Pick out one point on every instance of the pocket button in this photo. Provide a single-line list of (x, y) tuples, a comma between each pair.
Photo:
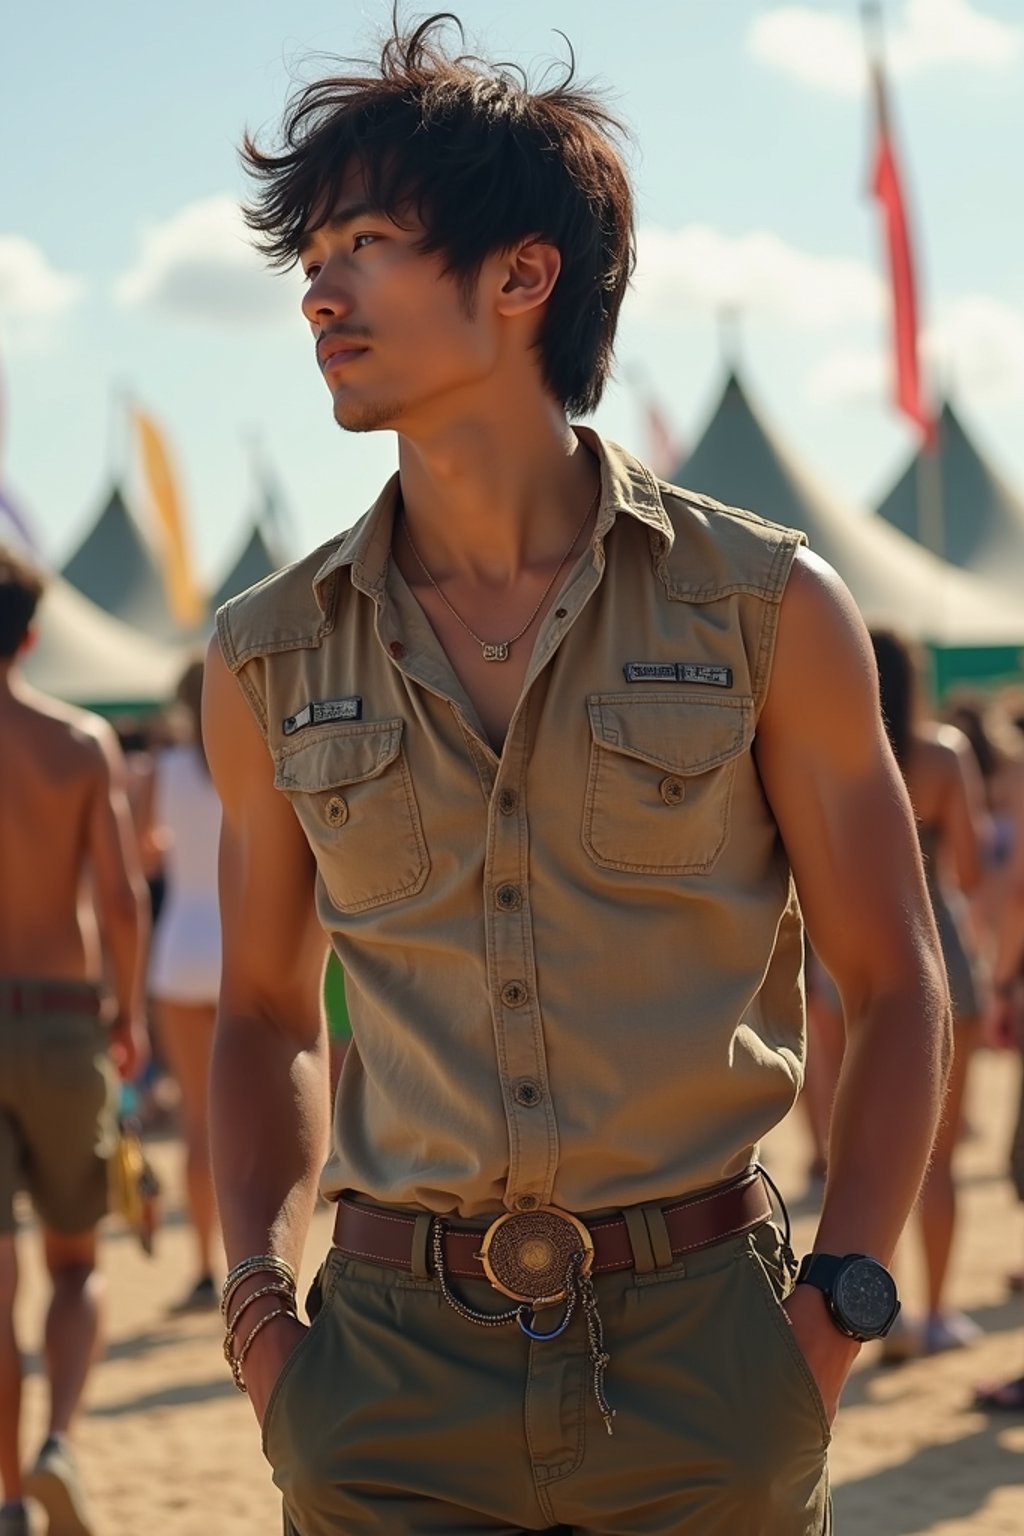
[(672, 789), (336, 811)]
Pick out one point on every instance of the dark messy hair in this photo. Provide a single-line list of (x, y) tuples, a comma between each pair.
[(21, 587), (486, 162), (897, 686)]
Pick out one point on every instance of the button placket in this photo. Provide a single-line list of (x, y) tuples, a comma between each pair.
[(521, 1055)]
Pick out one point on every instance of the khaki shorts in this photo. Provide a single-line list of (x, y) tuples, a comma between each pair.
[(396, 1416), (58, 1117)]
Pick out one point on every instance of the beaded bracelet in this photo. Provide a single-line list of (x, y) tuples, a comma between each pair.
[(260, 1263), (236, 1361), (283, 1291)]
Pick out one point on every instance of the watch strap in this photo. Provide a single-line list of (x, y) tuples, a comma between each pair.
[(821, 1269)]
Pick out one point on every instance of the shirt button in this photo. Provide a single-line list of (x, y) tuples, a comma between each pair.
[(507, 801), (513, 994), (336, 811), (396, 649), (526, 1202), (509, 898), (561, 613), (672, 790), (527, 1093)]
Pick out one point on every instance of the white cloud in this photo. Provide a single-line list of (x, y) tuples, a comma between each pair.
[(697, 268), (976, 348), (828, 51), (29, 286), (850, 376), (200, 264)]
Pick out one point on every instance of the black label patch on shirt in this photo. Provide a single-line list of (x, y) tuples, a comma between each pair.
[(650, 672), (322, 712), (678, 672)]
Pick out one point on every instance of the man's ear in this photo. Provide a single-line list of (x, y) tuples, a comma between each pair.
[(530, 273)]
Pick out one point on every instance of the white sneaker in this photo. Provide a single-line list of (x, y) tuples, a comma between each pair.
[(948, 1330)]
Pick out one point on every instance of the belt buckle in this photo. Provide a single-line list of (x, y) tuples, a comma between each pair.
[(526, 1254)]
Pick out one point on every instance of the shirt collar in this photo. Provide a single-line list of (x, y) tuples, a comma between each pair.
[(627, 486)]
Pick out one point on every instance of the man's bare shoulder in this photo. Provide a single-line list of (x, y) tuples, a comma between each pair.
[(81, 738), (823, 685)]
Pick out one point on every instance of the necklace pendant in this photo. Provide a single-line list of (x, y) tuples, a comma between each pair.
[(496, 651)]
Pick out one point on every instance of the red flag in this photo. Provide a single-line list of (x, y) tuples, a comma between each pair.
[(886, 187)]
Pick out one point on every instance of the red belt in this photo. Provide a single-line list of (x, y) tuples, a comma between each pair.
[(386, 1236), (22, 998)]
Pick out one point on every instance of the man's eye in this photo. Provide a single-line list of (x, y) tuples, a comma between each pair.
[(311, 272), (356, 246)]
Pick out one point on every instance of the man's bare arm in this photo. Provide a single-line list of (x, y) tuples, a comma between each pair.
[(122, 902), (847, 824), (269, 1085)]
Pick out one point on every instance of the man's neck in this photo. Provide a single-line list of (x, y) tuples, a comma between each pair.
[(485, 499)]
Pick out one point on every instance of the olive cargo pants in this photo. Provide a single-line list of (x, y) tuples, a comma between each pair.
[(396, 1416)]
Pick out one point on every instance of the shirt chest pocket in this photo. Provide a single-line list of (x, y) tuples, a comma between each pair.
[(351, 789), (660, 780)]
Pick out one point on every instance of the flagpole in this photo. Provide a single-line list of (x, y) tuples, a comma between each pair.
[(931, 521), (911, 396)]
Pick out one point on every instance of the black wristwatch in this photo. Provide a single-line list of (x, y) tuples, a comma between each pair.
[(860, 1292)]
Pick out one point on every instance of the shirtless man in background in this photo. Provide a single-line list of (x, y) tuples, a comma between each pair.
[(63, 819)]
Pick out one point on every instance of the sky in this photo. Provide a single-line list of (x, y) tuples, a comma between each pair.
[(125, 272)]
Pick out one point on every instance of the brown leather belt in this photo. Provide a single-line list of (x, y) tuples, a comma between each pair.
[(386, 1236), (22, 998)]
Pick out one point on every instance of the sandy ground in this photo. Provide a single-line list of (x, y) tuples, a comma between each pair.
[(168, 1446)]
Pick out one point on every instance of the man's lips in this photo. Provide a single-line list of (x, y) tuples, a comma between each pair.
[(335, 351)]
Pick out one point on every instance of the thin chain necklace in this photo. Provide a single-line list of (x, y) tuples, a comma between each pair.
[(498, 650)]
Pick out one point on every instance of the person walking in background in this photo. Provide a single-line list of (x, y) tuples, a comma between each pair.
[(999, 754), (65, 828), (184, 974), (948, 802), (1004, 1030), (549, 749)]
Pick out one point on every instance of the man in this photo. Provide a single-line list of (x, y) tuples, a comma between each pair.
[(538, 742), (63, 820)]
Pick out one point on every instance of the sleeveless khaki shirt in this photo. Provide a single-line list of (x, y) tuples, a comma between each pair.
[(574, 970)]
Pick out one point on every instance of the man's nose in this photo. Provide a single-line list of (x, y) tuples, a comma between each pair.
[(326, 299)]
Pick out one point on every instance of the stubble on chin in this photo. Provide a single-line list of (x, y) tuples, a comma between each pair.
[(366, 416)]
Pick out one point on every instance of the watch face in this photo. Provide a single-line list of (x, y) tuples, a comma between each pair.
[(864, 1295)]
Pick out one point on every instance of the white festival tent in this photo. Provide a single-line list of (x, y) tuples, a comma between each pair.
[(88, 657), (895, 582)]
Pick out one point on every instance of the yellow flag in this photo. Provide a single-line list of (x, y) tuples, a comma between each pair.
[(183, 594)]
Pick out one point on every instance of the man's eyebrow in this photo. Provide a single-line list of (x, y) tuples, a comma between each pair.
[(347, 214)]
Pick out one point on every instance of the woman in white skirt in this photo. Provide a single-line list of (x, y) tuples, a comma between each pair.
[(184, 974)]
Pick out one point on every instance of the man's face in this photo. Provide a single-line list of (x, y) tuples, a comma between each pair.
[(395, 339)]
